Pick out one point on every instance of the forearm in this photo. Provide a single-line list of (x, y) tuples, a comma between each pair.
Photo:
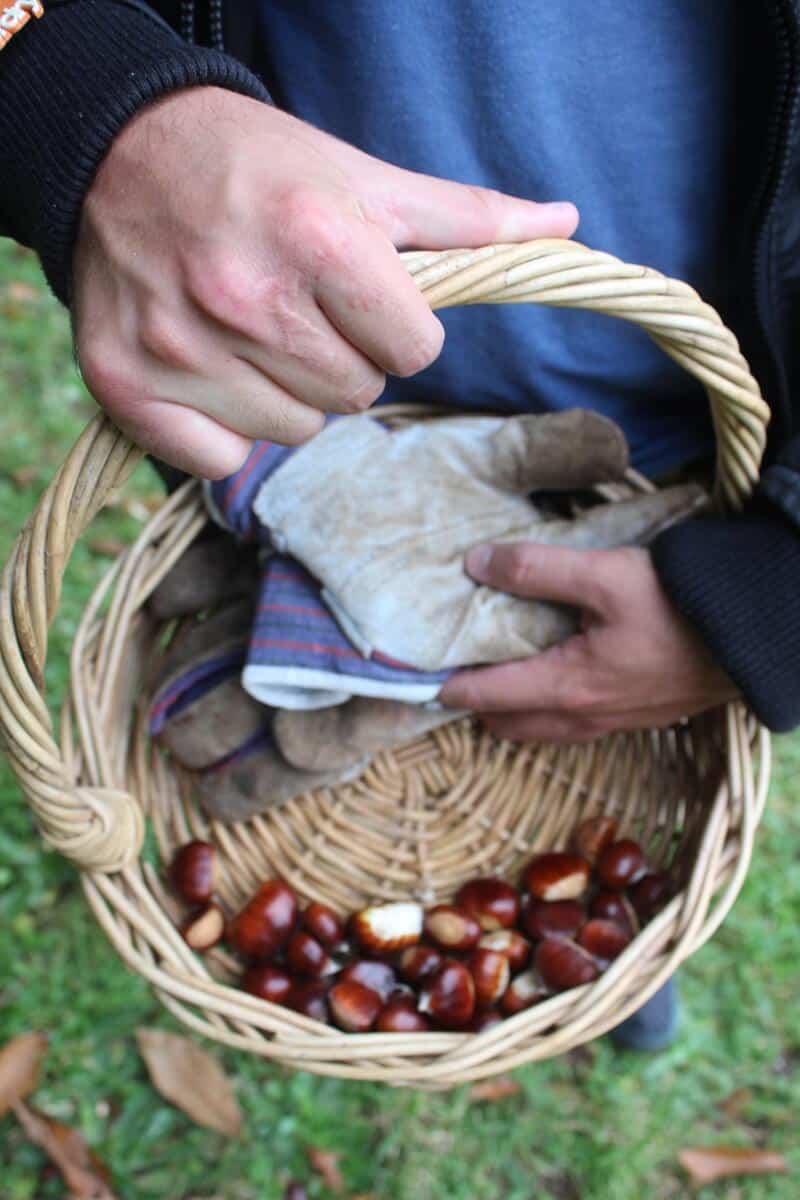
[(68, 83), (736, 582)]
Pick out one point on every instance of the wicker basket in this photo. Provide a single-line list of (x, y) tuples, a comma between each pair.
[(422, 818)]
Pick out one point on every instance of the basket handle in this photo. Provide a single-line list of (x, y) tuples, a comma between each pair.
[(101, 829)]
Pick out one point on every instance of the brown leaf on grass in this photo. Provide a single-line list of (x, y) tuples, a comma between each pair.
[(19, 1068), (295, 1191), (706, 1164), (108, 547), (326, 1164), (736, 1102), (494, 1089), (21, 293), (84, 1174), (190, 1079), (24, 476)]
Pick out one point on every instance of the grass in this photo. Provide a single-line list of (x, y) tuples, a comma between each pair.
[(595, 1126)]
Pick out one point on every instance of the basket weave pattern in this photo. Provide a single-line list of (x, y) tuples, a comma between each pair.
[(423, 818)]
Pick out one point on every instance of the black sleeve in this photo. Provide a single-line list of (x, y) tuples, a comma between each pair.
[(68, 83), (737, 580)]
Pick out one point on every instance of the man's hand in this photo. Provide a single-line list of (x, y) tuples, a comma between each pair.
[(236, 275), (635, 664)]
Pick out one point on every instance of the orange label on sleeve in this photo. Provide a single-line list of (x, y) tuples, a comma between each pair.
[(14, 16)]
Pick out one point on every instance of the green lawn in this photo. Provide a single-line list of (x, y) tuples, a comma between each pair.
[(597, 1126)]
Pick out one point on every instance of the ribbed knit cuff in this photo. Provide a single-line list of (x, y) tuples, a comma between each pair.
[(68, 83), (736, 580)]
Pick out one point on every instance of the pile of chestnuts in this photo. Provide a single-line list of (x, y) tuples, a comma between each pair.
[(399, 968)]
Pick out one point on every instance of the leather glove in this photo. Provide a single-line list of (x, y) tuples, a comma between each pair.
[(384, 520)]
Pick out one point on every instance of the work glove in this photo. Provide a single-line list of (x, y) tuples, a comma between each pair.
[(248, 758), (384, 519)]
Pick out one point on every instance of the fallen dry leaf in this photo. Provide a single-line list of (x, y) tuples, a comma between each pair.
[(295, 1191), (109, 547), (326, 1164), (24, 476), (21, 293), (190, 1079), (19, 1068), (494, 1089), (706, 1164), (736, 1102), (84, 1174)]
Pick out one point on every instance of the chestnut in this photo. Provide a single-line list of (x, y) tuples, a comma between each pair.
[(306, 956), (593, 835), (401, 1015), (524, 991), (615, 906), (487, 1019), (384, 928), (265, 922), (353, 1006), (205, 928), (650, 893), (554, 918), (557, 876), (193, 872), (510, 942), (309, 997), (377, 976), (323, 924), (563, 964), (449, 995), (491, 973), (418, 962), (452, 928), (268, 982), (604, 939), (621, 863), (491, 901)]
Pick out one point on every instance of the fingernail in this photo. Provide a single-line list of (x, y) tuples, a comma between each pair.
[(478, 561)]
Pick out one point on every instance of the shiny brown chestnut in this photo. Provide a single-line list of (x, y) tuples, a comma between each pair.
[(563, 964), (419, 962), (486, 1019), (650, 893), (265, 922), (449, 995), (353, 1006), (605, 940), (401, 1015), (268, 982), (452, 928), (309, 997), (193, 872), (554, 918), (323, 924), (593, 835), (205, 928), (524, 991), (491, 973), (378, 976), (615, 906), (385, 928), (306, 956), (557, 876), (510, 942), (621, 864), (493, 902)]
